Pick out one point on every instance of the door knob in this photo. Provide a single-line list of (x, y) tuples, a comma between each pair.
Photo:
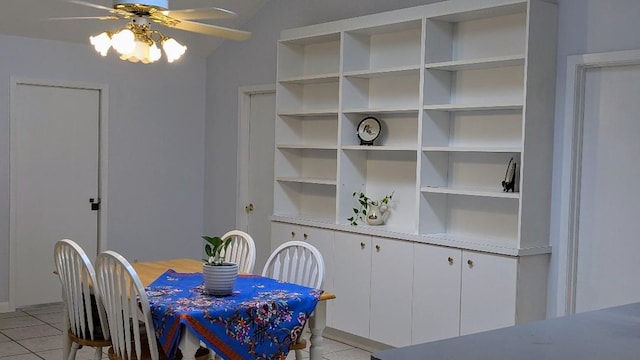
[(95, 204), (249, 207)]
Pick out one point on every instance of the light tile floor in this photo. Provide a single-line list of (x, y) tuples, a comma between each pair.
[(35, 333)]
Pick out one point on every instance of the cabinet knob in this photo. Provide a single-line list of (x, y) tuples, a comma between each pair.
[(450, 260), (293, 234), (378, 248), (470, 262), (305, 236), (362, 245)]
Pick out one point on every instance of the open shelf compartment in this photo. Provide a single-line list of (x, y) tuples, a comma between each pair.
[(468, 218), (310, 57), (383, 47), (378, 174)]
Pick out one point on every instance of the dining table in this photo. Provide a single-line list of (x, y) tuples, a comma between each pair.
[(155, 272)]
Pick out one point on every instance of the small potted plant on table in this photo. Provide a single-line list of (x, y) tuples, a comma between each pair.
[(219, 276)]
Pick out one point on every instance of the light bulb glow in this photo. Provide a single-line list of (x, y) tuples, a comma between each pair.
[(173, 49), (138, 43), (154, 53), (124, 41), (143, 52), (102, 43)]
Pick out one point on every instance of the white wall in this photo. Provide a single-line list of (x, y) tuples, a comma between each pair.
[(155, 145), (585, 26)]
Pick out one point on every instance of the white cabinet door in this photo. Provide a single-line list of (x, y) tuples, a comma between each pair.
[(322, 239), (283, 232), (436, 293), (488, 296), (391, 291), (352, 276)]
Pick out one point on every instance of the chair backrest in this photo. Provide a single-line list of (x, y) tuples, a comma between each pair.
[(126, 304), (242, 250), (87, 318), (296, 262)]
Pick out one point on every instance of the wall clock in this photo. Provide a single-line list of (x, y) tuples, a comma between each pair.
[(368, 130)]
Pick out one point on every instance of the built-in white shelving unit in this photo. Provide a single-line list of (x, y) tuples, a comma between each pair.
[(460, 88)]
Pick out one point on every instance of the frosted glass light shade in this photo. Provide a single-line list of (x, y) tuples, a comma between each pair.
[(102, 43), (173, 49), (124, 41)]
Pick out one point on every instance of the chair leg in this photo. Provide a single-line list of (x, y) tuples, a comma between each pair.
[(98, 354), (73, 351)]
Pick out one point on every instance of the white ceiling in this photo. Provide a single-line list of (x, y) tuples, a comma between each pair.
[(29, 18)]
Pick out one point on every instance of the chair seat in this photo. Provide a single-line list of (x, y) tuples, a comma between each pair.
[(300, 345), (99, 341), (202, 353)]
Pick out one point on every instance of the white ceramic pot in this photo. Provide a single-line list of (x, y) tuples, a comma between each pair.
[(220, 279), (376, 215)]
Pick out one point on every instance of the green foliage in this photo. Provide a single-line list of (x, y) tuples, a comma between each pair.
[(215, 249), (363, 205)]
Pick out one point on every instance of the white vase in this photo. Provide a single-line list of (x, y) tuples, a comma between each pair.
[(220, 279), (376, 215)]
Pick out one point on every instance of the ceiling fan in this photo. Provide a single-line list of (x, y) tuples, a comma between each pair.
[(138, 35)]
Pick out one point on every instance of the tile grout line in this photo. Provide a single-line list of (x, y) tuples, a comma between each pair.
[(16, 341)]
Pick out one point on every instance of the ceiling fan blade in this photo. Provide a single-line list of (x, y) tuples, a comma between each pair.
[(86, 3), (96, 6), (111, 17), (198, 14), (212, 30)]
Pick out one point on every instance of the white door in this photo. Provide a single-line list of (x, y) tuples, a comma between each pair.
[(54, 173), (256, 189), (608, 245)]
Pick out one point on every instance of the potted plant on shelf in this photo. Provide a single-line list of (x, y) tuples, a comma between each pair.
[(219, 276), (373, 212)]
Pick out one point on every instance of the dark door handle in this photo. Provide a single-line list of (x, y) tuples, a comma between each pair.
[(95, 204)]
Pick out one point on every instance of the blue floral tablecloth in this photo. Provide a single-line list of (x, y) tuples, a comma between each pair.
[(259, 321)]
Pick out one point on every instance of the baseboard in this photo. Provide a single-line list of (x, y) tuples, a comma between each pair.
[(355, 341), (4, 307)]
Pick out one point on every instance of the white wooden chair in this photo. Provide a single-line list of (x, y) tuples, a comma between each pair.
[(242, 250), (299, 263), (86, 314), (128, 311)]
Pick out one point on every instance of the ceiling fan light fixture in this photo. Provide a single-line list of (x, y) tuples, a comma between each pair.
[(123, 41), (172, 49), (101, 42), (142, 52), (138, 43)]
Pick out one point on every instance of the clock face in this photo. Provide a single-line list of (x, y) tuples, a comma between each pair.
[(368, 130)]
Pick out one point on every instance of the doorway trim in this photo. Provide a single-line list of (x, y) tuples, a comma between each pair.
[(577, 68), (242, 173), (103, 90)]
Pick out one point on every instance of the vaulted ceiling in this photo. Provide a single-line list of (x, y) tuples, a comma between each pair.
[(29, 18)]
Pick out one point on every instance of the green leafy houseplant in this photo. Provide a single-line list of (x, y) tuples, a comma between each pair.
[(364, 202), (215, 249)]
